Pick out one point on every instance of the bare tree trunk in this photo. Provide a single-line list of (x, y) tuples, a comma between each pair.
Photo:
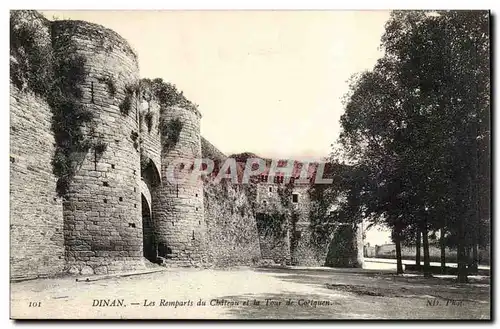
[(474, 236), (461, 256), (468, 251), (462, 247), (425, 240), (474, 201), (443, 251), (397, 241), (475, 259), (418, 246)]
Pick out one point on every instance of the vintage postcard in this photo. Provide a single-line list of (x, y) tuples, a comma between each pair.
[(250, 165)]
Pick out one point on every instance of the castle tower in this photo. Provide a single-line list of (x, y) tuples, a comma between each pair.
[(102, 219), (36, 216), (178, 207)]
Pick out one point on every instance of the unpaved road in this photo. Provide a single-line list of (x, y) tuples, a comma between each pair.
[(245, 293)]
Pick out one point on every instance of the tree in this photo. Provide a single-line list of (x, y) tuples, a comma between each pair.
[(445, 57), (419, 123)]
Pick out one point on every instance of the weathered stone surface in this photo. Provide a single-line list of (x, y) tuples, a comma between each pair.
[(102, 207), (178, 206), (36, 227), (116, 213), (87, 270), (101, 270), (73, 270), (231, 226)]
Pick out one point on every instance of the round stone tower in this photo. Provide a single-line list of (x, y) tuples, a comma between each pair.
[(36, 216), (102, 218), (178, 205)]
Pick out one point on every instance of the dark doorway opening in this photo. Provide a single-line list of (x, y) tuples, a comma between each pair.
[(148, 240)]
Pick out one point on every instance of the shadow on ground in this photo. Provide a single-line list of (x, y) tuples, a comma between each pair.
[(360, 294), (289, 306)]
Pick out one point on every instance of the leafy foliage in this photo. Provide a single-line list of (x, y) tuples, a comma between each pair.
[(416, 128), (165, 93), (34, 67), (31, 64), (134, 136), (171, 130), (68, 119), (145, 161), (126, 104), (149, 120), (272, 224)]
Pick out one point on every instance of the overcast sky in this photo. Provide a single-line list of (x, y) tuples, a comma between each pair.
[(269, 82)]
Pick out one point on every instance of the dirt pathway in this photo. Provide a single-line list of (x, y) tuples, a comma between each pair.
[(248, 293)]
